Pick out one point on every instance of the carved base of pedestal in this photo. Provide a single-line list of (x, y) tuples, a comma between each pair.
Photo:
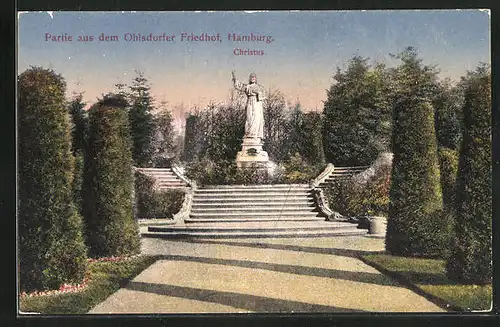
[(252, 155)]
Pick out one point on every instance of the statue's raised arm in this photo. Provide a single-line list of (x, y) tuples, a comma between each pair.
[(237, 84)]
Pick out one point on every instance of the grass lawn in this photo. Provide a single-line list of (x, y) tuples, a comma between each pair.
[(106, 278), (428, 277)]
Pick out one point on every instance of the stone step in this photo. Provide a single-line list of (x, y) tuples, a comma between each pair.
[(255, 205), (360, 168), (166, 177), (250, 199), (153, 169), (264, 234), (258, 186), (251, 220), (161, 179), (254, 227), (251, 194), (252, 210), (253, 191), (176, 182), (258, 214)]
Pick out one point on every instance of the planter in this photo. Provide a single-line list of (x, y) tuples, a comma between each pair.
[(377, 225)]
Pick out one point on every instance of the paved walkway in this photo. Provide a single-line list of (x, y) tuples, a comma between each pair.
[(263, 275)]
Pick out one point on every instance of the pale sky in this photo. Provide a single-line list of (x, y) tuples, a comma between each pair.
[(300, 61)]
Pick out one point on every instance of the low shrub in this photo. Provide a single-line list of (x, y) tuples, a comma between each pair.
[(353, 197), (225, 172), (297, 170), (155, 204), (164, 204)]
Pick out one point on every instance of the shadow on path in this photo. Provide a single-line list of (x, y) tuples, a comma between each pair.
[(362, 277), (236, 300), (308, 249)]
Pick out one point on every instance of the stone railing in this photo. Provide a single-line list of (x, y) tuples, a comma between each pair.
[(179, 172), (183, 213), (321, 177), (322, 205), (385, 158), (319, 196)]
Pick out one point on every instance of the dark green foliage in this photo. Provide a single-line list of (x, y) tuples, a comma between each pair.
[(51, 246), (108, 181), (357, 115), (164, 204), (226, 132), (276, 127), (447, 103), (79, 126), (164, 138), (155, 204), (208, 172), (141, 122), (293, 144), (415, 194), (471, 258), (297, 170), (352, 197), (215, 133), (311, 138), (225, 172), (448, 165), (192, 138), (78, 181)]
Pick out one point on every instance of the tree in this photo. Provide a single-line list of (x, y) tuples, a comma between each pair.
[(294, 141), (416, 226), (470, 261), (79, 134), (447, 103), (448, 167), (192, 138), (311, 138), (357, 115), (228, 129), (276, 126), (79, 120), (141, 121), (51, 245), (108, 207), (164, 142)]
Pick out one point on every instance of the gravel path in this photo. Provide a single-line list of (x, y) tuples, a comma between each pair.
[(263, 275)]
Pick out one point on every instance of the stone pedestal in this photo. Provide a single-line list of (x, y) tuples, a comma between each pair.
[(248, 159)]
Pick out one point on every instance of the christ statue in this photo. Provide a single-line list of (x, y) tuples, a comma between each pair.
[(254, 126)]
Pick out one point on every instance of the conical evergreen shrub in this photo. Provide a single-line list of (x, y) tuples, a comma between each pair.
[(111, 229), (51, 244), (471, 260)]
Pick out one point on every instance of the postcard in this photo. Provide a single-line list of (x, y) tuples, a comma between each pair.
[(235, 162)]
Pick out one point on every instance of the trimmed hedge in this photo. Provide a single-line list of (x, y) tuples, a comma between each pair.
[(108, 206), (448, 163), (51, 245), (471, 260), (415, 195)]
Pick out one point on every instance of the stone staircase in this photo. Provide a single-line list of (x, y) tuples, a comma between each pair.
[(165, 178), (342, 173), (250, 211)]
